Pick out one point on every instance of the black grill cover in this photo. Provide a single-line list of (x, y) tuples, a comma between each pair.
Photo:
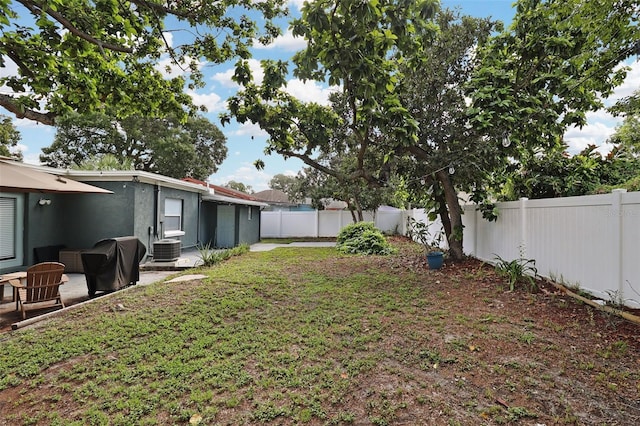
[(113, 263)]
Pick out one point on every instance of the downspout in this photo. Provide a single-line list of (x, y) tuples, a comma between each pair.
[(198, 241), (156, 216)]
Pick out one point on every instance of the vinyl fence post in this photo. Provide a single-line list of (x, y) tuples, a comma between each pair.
[(523, 227), (317, 219), (616, 232), (279, 223)]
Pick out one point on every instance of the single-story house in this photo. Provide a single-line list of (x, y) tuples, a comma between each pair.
[(39, 219)]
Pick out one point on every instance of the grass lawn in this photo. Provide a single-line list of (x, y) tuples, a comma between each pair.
[(309, 336)]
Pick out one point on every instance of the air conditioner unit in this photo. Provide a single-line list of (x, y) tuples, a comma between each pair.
[(166, 250)]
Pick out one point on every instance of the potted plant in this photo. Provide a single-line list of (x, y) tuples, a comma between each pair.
[(419, 232)]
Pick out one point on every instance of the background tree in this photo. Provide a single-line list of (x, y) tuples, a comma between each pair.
[(627, 135), (165, 146), (239, 186), (80, 55), (287, 184), (9, 138), (554, 173), (105, 162)]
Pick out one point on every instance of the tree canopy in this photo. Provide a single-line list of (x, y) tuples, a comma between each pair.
[(403, 109), (165, 146), (9, 138), (556, 62), (239, 186), (83, 55)]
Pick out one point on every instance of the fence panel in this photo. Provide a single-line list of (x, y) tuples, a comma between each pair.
[(324, 223), (591, 242), (630, 248)]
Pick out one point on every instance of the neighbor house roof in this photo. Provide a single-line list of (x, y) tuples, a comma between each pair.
[(273, 196), (221, 194)]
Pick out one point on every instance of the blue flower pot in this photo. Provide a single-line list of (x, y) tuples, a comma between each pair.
[(435, 260)]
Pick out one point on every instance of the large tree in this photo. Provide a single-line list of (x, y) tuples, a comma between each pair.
[(358, 47), (80, 55), (449, 154), (350, 45), (166, 146)]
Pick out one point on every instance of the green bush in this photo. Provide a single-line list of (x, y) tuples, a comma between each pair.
[(209, 256), (363, 238)]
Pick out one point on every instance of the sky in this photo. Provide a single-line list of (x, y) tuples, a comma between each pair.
[(246, 143)]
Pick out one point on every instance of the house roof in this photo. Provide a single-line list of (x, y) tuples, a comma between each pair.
[(18, 177), (221, 194), (273, 196), (132, 175)]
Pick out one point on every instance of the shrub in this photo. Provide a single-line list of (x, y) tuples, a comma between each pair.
[(209, 256), (363, 238), (518, 270)]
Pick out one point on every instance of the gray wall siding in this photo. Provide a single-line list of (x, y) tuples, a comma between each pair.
[(226, 227), (144, 218), (44, 225), (248, 230), (208, 220), (93, 217)]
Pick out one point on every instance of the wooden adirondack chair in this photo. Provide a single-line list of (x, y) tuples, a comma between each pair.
[(42, 285)]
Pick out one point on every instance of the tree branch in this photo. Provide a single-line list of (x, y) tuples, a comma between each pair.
[(37, 9), (12, 106)]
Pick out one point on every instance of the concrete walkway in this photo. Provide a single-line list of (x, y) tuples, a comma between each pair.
[(75, 290)]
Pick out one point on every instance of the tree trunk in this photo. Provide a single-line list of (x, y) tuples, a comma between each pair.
[(454, 236)]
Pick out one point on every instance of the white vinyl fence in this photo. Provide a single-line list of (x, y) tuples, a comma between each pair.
[(324, 223), (590, 242)]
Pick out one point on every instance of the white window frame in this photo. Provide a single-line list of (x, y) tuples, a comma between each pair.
[(250, 214), (173, 208), (11, 227)]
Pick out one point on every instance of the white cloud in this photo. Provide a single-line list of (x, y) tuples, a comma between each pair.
[(297, 3), (211, 101), (601, 124), (631, 84), (595, 133), (286, 43), (24, 123), (247, 174), (168, 36), (249, 129), (309, 91), (224, 78)]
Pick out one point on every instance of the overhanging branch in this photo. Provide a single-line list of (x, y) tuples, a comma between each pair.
[(12, 106)]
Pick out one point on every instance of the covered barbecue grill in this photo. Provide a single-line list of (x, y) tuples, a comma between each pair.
[(113, 263)]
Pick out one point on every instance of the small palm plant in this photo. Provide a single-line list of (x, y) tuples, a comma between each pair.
[(518, 270)]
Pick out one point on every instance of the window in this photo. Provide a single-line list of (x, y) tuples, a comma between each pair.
[(173, 217), (11, 224), (250, 215)]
